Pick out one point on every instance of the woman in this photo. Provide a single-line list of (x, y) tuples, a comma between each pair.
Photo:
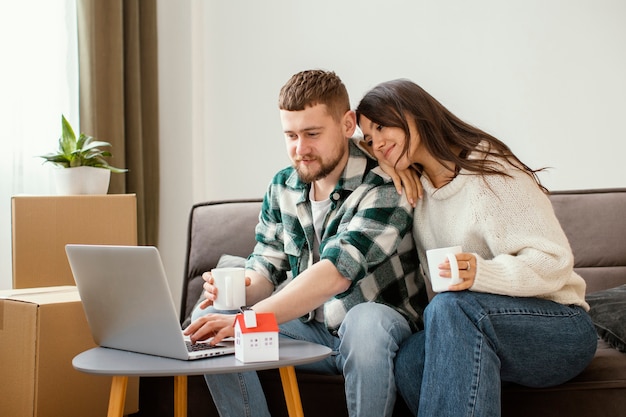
[(519, 314)]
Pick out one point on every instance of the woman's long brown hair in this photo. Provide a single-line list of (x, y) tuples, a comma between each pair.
[(390, 103)]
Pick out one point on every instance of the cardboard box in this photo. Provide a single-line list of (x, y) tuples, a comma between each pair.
[(41, 330), (43, 225)]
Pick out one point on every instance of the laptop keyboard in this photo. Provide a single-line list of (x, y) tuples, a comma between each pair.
[(194, 347)]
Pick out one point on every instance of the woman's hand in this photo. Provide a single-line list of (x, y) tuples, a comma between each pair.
[(407, 178), (216, 326), (467, 271)]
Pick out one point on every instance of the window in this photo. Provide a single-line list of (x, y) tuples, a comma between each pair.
[(38, 83)]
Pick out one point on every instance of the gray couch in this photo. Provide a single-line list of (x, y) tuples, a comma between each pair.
[(595, 223)]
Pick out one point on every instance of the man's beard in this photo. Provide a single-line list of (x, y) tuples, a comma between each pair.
[(323, 171)]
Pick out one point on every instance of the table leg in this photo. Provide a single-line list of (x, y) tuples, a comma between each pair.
[(291, 391), (180, 396), (117, 396)]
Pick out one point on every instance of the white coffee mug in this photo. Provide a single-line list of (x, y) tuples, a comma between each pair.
[(231, 288), (438, 256)]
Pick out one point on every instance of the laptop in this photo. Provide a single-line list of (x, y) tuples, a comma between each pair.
[(128, 303)]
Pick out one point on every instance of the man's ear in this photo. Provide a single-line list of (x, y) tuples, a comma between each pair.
[(349, 123)]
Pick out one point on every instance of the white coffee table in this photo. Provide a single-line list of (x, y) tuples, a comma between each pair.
[(121, 364)]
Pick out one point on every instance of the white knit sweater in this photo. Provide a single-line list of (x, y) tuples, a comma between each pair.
[(509, 224)]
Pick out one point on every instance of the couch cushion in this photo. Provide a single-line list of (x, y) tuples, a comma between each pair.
[(600, 390), (595, 225), (608, 312), (214, 229)]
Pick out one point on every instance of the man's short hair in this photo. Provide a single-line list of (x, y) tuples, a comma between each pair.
[(311, 87)]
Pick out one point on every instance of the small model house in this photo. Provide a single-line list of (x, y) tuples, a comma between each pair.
[(256, 337)]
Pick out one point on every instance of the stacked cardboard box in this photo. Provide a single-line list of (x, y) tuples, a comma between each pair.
[(42, 322), (41, 330), (43, 225)]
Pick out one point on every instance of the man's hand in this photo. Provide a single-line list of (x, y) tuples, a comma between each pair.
[(210, 290), (217, 326)]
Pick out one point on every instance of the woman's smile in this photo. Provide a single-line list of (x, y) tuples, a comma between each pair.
[(387, 152)]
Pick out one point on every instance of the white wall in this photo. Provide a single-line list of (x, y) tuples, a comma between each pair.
[(545, 76)]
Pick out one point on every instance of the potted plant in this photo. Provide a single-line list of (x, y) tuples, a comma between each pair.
[(89, 172)]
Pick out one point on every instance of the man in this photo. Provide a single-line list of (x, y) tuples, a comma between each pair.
[(336, 223)]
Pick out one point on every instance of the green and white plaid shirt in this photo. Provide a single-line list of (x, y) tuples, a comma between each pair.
[(367, 236)]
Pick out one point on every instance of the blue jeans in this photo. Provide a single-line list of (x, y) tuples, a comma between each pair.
[(474, 341), (363, 352)]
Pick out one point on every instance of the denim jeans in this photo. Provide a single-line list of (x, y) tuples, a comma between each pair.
[(474, 341), (363, 352)]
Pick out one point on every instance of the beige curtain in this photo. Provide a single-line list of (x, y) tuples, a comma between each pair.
[(117, 42)]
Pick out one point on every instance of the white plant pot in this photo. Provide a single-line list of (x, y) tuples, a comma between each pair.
[(82, 180)]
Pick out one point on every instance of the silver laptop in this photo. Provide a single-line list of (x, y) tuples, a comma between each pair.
[(128, 303)]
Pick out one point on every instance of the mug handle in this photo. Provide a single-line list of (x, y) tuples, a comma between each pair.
[(454, 269)]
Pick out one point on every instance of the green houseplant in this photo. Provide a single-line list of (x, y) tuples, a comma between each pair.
[(89, 171)]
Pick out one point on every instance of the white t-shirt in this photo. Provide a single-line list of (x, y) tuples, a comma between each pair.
[(319, 210)]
